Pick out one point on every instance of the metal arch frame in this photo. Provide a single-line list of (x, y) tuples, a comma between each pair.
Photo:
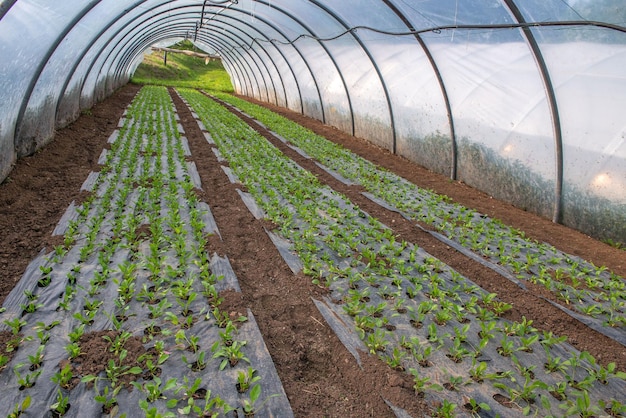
[(123, 31), (44, 62), (267, 71), (230, 35), (442, 86), (282, 82), (231, 61), (552, 103), (86, 50), (277, 30), (152, 37), (376, 68), (176, 33), (107, 43), (330, 56), (124, 63), (306, 63), (130, 53), (5, 7), (179, 29), (123, 48)]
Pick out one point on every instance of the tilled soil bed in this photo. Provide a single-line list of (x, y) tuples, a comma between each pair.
[(319, 375)]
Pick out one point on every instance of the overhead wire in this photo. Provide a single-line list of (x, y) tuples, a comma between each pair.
[(439, 29)]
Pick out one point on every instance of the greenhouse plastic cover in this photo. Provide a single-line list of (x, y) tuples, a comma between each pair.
[(523, 99)]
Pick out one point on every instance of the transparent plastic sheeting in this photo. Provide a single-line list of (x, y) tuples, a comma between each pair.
[(531, 115)]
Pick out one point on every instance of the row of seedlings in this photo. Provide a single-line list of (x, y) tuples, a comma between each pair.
[(594, 292), (408, 307), (50, 295), (136, 327)]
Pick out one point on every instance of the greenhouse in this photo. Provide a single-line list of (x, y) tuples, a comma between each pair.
[(357, 208)]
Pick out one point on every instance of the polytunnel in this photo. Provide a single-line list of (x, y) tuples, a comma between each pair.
[(312, 208), (520, 99)]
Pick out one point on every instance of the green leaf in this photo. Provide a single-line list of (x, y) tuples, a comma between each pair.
[(88, 378), (26, 403), (172, 403), (136, 370), (170, 384), (255, 392)]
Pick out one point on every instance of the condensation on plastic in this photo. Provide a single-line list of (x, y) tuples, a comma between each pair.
[(590, 87)]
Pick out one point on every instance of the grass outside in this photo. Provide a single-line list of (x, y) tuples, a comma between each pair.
[(182, 71)]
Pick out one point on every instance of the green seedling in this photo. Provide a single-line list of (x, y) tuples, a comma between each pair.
[(158, 310), (499, 308), (227, 335), (527, 343), (442, 316), (187, 342), (230, 354), (581, 407), (474, 407), (108, 397), (457, 351), (190, 391), (153, 366), (613, 407), (76, 333), (252, 406), (526, 391), (116, 344), (30, 307), (199, 364), (454, 383), (506, 348), (28, 380), (115, 371), (559, 390), (37, 358), (395, 359), (15, 324), (212, 406), (478, 371), (64, 376), (421, 385), (245, 379), (61, 406), (73, 350), (603, 374), (433, 335), (30, 295), (20, 408), (149, 294), (376, 341), (87, 318), (155, 390)]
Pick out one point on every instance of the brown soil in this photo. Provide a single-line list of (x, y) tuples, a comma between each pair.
[(319, 375), (96, 351)]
